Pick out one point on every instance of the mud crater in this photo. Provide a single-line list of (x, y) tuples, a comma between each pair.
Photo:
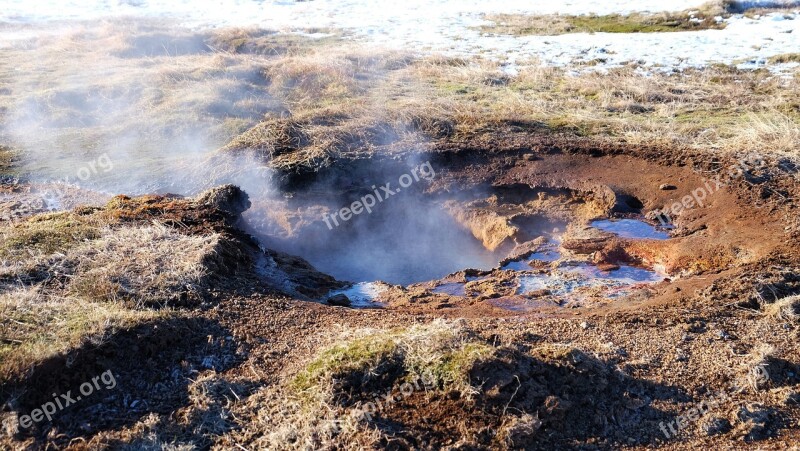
[(516, 245)]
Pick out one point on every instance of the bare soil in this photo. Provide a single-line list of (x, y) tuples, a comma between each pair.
[(624, 366)]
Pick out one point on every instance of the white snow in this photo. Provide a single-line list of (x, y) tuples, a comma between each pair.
[(449, 26)]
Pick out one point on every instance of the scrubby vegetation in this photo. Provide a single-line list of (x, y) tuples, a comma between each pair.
[(67, 279), (616, 23), (332, 398), (706, 17), (450, 99)]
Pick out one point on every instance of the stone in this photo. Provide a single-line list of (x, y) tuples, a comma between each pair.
[(716, 426), (340, 300)]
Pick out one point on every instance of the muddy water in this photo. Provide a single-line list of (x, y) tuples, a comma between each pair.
[(630, 228), (558, 280)]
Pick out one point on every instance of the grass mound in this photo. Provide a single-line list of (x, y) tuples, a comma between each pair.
[(333, 398), (141, 265), (37, 326), (522, 25), (45, 234), (68, 279), (436, 384), (706, 17)]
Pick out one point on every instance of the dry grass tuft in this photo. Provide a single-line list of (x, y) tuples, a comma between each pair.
[(553, 25), (703, 17), (44, 235), (38, 324), (145, 266), (786, 309), (785, 58), (339, 104)]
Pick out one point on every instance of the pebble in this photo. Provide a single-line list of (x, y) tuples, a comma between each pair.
[(667, 187)]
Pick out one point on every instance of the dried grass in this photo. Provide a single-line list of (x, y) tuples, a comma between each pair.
[(786, 309), (38, 324), (146, 266)]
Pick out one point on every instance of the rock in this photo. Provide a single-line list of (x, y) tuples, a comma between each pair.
[(584, 325), (716, 426), (491, 228), (667, 187), (792, 398), (340, 300), (755, 420), (228, 198), (524, 250), (502, 80), (519, 432), (607, 266)]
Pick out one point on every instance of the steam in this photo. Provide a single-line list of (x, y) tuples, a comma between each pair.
[(406, 238), (139, 107), (156, 104)]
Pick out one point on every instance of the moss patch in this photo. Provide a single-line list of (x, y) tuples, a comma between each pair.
[(359, 356), (522, 25), (440, 353)]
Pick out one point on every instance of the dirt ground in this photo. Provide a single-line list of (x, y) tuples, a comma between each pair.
[(612, 374)]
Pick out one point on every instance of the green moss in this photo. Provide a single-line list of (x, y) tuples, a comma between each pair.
[(440, 355), (640, 23), (454, 367), (46, 233), (457, 88), (612, 23), (359, 355)]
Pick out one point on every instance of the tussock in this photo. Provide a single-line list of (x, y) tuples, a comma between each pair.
[(786, 309), (146, 266), (321, 406), (38, 324)]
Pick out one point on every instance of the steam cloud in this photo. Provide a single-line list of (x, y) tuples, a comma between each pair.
[(153, 104)]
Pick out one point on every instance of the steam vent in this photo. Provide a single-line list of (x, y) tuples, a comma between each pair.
[(428, 225)]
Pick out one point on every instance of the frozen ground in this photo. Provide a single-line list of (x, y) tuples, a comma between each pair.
[(449, 26)]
